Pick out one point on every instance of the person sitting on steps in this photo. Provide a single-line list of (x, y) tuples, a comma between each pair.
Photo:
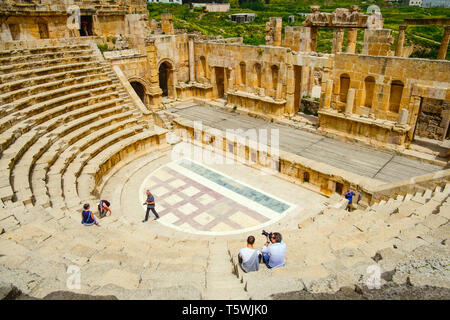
[(249, 257), (87, 217), (274, 251), (103, 208)]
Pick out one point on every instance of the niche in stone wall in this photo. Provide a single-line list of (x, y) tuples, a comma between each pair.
[(369, 89), (15, 31), (243, 72), (344, 85), (258, 75), (395, 96), (202, 67), (274, 70)]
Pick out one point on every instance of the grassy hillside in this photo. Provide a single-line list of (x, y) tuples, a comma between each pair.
[(425, 38)]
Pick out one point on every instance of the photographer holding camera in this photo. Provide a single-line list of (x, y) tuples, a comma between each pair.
[(274, 250)]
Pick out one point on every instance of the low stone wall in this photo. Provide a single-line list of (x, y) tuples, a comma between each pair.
[(194, 89), (257, 104), (379, 133)]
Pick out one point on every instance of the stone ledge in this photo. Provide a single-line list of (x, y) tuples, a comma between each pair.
[(256, 97)]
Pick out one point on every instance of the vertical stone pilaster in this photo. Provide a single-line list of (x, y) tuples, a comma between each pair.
[(155, 91)]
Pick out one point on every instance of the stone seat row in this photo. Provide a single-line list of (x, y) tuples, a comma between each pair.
[(20, 75), (15, 85), (47, 101), (21, 58), (11, 69), (28, 94), (41, 50), (62, 138)]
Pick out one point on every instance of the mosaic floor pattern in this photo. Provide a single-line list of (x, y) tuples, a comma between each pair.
[(192, 197)]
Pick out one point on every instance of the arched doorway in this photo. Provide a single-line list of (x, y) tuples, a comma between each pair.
[(165, 73), (139, 89)]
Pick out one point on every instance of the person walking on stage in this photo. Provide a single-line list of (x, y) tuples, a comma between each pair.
[(150, 206)]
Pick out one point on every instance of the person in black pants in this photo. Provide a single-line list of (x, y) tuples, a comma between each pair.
[(150, 206)]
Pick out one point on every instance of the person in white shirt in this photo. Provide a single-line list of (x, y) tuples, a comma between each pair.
[(249, 257), (274, 251)]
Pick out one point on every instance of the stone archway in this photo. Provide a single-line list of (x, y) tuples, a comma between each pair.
[(139, 89), (166, 81)]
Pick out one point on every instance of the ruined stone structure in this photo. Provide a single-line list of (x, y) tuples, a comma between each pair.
[(79, 125)]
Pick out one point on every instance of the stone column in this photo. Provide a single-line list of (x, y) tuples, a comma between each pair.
[(350, 101), (402, 117), (444, 44), (314, 31), (351, 40), (326, 96), (191, 61), (290, 88), (400, 41), (338, 38)]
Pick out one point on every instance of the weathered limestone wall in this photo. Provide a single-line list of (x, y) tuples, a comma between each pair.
[(263, 79), (433, 121), (297, 38), (378, 42), (27, 27), (383, 87), (175, 50), (384, 70)]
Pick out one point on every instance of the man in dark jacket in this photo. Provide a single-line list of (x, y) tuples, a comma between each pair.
[(150, 206)]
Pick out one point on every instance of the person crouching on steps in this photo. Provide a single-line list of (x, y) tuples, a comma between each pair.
[(150, 206), (103, 208), (87, 217)]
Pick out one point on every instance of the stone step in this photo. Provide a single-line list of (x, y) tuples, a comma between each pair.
[(46, 70), (24, 96), (34, 81), (31, 65), (43, 56), (26, 162)]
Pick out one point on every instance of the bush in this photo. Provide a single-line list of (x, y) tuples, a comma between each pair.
[(102, 47)]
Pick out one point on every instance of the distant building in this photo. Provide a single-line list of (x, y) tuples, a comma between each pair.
[(242, 17), (435, 3), (165, 1), (413, 3), (213, 7)]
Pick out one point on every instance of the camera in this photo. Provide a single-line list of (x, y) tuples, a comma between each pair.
[(267, 234)]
